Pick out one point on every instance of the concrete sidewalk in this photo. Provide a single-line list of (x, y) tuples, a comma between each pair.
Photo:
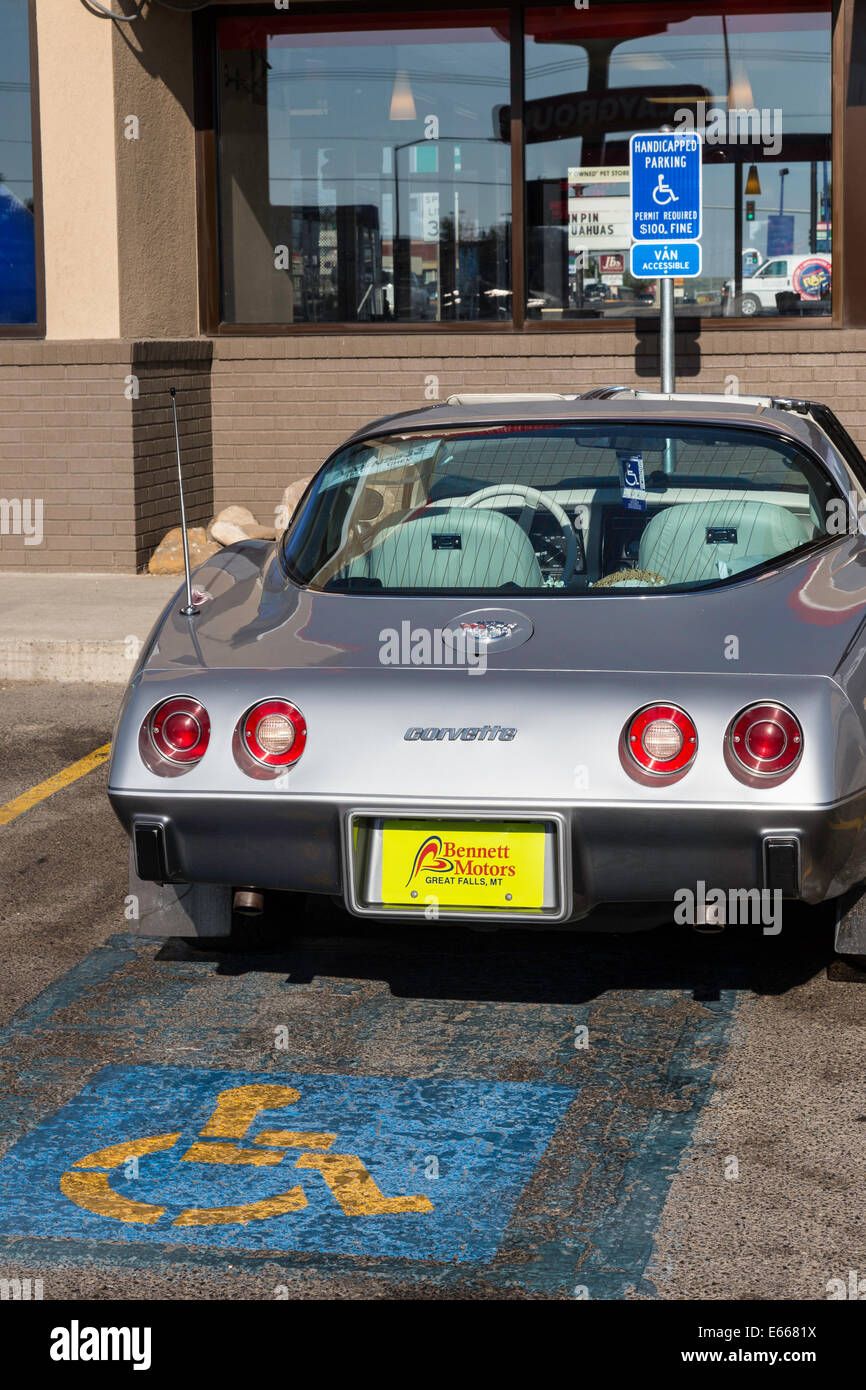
[(77, 627)]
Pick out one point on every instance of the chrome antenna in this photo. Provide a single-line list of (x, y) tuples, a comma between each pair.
[(190, 610)]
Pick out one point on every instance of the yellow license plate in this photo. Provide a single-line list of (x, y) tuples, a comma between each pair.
[(460, 864)]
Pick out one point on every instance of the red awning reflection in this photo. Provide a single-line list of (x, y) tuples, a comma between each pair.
[(563, 24)]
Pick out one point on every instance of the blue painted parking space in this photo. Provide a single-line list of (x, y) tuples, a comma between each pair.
[(426, 1117), (366, 1166)]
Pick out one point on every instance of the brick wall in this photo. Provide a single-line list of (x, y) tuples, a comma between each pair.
[(258, 412), (86, 429), (66, 441), (158, 366), (281, 404)]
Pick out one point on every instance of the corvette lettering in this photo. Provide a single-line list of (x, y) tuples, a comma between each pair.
[(475, 734)]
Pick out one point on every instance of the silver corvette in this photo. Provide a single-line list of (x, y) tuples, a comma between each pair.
[(517, 658)]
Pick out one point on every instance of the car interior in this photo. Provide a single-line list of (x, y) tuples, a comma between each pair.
[(551, 510)]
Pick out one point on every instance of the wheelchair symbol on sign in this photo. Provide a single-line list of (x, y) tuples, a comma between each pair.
[(351, 1185), (662, 194)]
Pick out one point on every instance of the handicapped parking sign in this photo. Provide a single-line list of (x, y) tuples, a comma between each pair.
[(665, 185)]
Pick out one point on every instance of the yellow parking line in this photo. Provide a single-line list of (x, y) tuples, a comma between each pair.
[(23, 803)]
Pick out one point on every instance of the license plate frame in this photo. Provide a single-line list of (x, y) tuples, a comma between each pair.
[(364, 857)]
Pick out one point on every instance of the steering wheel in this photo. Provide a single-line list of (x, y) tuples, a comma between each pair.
[(509, 494)]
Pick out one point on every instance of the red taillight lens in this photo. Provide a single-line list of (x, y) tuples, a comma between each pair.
[(661, 739), (180, 730), (274, 733), (766, 740)]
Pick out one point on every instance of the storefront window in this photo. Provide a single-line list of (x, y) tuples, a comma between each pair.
[(364, 163), (362, 178), (17, 233), (753, 79)]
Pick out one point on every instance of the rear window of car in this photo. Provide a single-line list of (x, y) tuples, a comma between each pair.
[(556, 509)]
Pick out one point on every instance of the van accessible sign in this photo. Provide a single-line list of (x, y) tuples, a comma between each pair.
[(665, 185), (656, 260)]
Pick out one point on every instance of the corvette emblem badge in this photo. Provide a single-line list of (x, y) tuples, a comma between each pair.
[(493, 629)]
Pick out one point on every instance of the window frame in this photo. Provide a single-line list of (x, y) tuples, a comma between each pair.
[(37, 329), (843, 313)]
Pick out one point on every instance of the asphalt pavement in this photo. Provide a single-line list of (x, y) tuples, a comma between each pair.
[(506, 1115)]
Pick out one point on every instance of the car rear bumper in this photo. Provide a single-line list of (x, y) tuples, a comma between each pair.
[(606, 853)]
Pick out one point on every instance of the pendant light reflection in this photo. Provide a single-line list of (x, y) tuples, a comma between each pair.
[(402, 100), (740, 91), (753, 183)]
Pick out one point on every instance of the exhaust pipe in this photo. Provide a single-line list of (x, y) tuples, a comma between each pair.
[(248, 902), (709, 919)]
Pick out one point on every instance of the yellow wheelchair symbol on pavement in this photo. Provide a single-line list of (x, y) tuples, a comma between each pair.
[(351, 1185)]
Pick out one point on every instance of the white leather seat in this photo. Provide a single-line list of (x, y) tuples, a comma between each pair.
[(677, 543), (459, 547)]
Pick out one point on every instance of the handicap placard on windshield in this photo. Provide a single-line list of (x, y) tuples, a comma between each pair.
[(660, 260), (665, 185)]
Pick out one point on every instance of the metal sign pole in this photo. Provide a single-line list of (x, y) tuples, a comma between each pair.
[(666, 335), (666, 344)]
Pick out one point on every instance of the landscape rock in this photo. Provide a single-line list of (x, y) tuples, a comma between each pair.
[(168, 556), (226, 532), (237, 523), (241, 516), (290, 499)]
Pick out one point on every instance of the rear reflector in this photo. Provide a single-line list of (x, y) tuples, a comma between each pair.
[(782, 865), (661, 739), (765, 740), (150, 858)]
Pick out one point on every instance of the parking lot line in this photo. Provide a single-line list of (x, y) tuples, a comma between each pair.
[(61, 779)]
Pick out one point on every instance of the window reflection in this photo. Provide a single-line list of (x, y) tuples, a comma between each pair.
[(754, 80), (364, 161), (362, 175), (17, 238)]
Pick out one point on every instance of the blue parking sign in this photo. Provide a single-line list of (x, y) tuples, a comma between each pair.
[(665, 185), (663, 260)]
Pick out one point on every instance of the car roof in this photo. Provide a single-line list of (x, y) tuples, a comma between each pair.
[(620, 404)]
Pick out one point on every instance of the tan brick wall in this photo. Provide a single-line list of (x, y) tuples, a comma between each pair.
[(66, 437), (159, 366), (102, 461), (268, 410), (281, 404)]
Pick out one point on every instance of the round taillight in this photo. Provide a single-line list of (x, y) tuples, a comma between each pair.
[(180, 730), (766, 740), (661, 739), (274, 732)]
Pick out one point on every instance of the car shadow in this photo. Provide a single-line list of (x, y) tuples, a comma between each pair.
[(449, 961)]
